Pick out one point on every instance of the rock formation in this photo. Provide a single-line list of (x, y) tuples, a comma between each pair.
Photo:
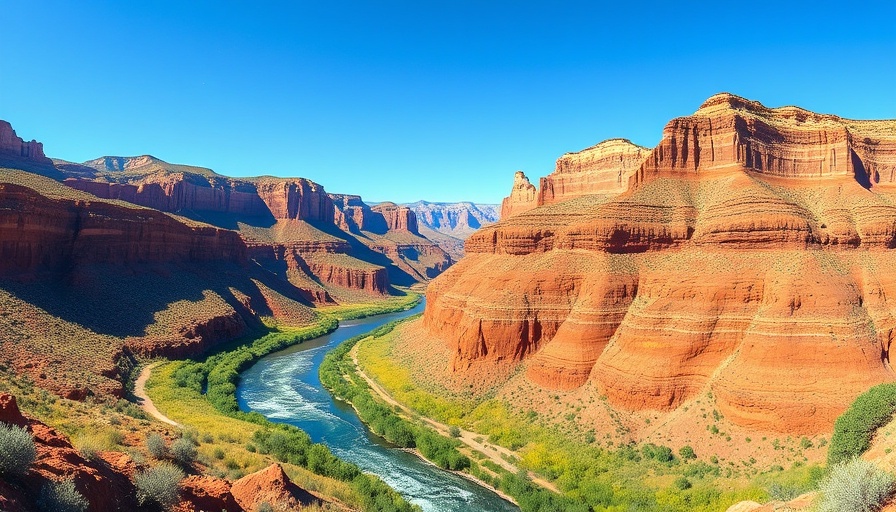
[(40, 233), (454, 219), (12, 145), (397, 218), (285, 221), (746, 257), (604, 168), (271, 486), (523, 197), (450, 224)]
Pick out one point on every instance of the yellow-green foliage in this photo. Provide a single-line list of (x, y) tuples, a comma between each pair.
[(374, 307), (231, 436), (588, 475)]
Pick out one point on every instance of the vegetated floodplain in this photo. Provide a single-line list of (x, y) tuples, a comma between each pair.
[(646, 477), (201, 395)]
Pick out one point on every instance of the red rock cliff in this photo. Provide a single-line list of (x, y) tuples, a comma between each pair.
[(11, 144), (746, 259), (41, 233), (522, 198), (397, 218), (601, 169)]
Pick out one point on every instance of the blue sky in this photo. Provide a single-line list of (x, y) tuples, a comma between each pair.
[(417, 100)]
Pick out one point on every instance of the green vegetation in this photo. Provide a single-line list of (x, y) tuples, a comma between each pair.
[(17, 451), (155, 445), (855, 428), (218, 375), (595, 475), (61, 497), (855, 486), (184, 451), (159, 485)]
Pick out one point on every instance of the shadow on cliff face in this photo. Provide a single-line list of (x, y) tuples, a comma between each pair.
[(127, 301), (397, 276), (230, 220)]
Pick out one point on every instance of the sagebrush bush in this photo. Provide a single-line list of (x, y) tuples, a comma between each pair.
[(855, 486), (17, 451), (61, 497), (159, 485), (184, 451), (155, 445)]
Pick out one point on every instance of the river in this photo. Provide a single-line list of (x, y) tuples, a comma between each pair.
[(285, 387)]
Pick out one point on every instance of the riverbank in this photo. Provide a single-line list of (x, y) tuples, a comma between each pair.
[(445, 432), (200, 395), (340, 375)]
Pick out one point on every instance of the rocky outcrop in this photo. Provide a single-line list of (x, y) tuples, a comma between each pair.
[(728, 132), (12, 145), (523, 197), (397, 218), (39, 233), (298, 199), (271, 486), (201, 493), (105, 481), (763, 285), (601, 169), (177, 193)]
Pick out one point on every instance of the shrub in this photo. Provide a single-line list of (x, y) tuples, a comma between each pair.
[(854, 428), (184, 451), (681, 483), (90, 446), (17, 451), (159, 485), (687, 452), (454, 431), (155, 445), (855, 486), (61, 497)]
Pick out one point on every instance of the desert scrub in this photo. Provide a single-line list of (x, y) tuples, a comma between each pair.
[(155, 445), (17, 451), (855, 486), (159, 485), (61, 497), (855, 428), (184, 451)]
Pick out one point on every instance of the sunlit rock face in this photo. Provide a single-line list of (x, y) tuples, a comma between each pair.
[(745, 255)]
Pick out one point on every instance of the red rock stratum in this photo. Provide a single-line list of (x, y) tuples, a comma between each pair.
[(748, 254)]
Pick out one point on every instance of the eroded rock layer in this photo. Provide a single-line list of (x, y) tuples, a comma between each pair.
[(747, 257), (523, 196), (605, 167)]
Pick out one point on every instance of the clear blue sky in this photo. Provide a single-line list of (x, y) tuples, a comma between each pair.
[(408, 100)]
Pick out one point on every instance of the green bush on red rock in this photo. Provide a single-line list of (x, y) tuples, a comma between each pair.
[(855, 428)]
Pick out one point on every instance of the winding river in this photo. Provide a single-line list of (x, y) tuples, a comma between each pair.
[(285, 387)]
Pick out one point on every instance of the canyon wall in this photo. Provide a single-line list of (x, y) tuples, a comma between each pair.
[(745, 257), (601, 169), (38, 233)]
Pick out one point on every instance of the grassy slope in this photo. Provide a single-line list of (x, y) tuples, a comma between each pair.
[(602, 478)]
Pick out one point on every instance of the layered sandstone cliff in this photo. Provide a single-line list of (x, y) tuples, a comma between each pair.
[(285, 221), (11, 144), (40, 233), (604, 168), (523, 196), (746, 258)]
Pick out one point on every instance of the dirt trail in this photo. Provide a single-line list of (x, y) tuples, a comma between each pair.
[(493, 452), (143, 399)]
